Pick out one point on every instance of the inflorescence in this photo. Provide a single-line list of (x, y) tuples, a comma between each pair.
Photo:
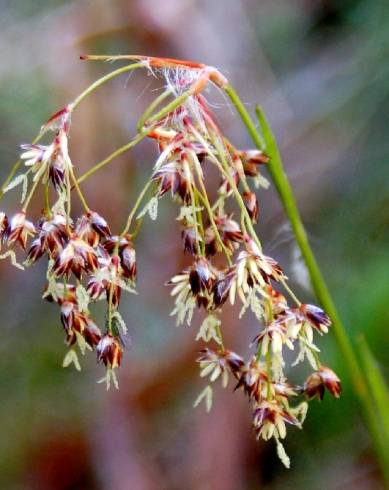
[(87, 263)]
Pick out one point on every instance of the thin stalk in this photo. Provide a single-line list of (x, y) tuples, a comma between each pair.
[(245, 116), (195, 164), (290, 292), (154, 104), (112, 156), (110, 299), (345, 346), (200, 222), (220, 335), (98, 83), (169, 107), (29, 197), (138, 226), (15, 168), (224, 168), (79, 192), (110, 294), (101, 81), (10, 176), (47, 198), (136, 206), (196, 229), (69, 196), (139, 137), (147, 61), (204, 199), (269, 374)]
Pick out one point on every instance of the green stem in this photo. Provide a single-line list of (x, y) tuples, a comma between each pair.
[(199, 222), (147, 113), (98, 83), (136, 206), (220, 335), (139, 137), (225, 169), (47, 199), (285, 192), (69, 196), (101, 81), (290, 292), (204, 199), (110, 299), (79, 192), (245, 116), (29, 197), (169, 107), (137, 228), (196, 228), (113, 155), (10, 176), (15, 168)]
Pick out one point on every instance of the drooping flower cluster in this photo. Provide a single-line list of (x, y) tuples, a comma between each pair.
[(87, 263)]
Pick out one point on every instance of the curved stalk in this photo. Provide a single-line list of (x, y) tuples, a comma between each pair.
[(139, 137), (15, 168), (148, 112), (30, 195), (204, 199), (95, 85), (199, 220), (196, 227), (79, 192), (169, 107), (101, 81), (113, 155), (136, 207), (225, 170)]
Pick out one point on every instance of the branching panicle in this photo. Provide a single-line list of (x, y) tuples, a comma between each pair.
[(88, 263)]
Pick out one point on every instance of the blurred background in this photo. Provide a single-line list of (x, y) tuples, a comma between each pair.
[(320, 70)]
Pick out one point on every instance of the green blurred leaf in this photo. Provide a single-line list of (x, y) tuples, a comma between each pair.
[(380, 397), (378, 387)]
